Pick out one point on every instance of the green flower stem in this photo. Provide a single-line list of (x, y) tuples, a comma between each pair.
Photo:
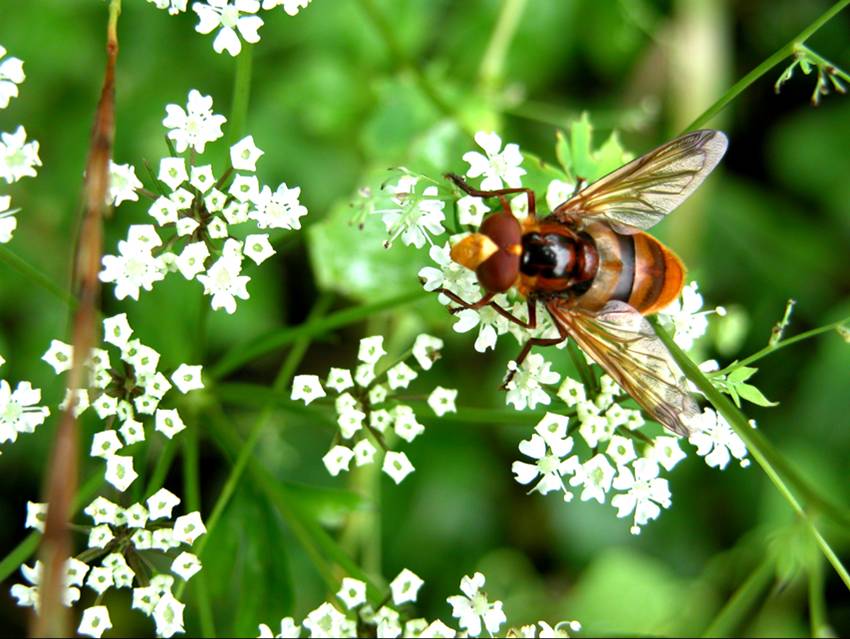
[(822, 62), (163, 465), (742, 601), (15, 262), (819, 625), (493, 62), (241, 94), (767, 350), (282, 380), (783, 52), (26, 549), (244, 353), (758, 446)]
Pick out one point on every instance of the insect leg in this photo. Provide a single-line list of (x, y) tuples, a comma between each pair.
[(464, 186), (536, 341)]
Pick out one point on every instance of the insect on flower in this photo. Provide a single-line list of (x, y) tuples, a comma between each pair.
[(594, 270)]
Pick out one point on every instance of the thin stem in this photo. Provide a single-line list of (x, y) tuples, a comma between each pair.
[(758, 446), (241, 94), (767, 350), (783, 52), (283, 378), (163, 465), (823, 62), (493, 62), (742, 601), (31, 273), (819, 625)]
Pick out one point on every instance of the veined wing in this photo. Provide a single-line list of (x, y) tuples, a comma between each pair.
[(638, 195), (624, 344)]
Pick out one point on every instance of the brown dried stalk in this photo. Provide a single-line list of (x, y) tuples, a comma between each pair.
[(61, 485)]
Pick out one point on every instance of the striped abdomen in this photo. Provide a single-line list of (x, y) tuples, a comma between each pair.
[(636, 269)]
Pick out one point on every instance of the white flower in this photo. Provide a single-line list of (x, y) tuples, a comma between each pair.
[(59, 356), (438, 630), (339, 379), (549, 447), (18, 158), (397, 466), (99, 536), (123, 184), (595, 476), (132, 431), (471, 210), (352, 593), (291, 7), (571, 391), (120, 472), (417, 217), (136, 516), (683, 315), (95, 621), (325, 621), (18, 410), (223, 280), (173, 172), (449, 275), (716, 441), (474, 608), (278, 209), (244, 154), (168, 615), (11, 75), (665, 450), (490, 324), (496, 167), (558, 192), (645, 493), (100, 579), (164, 211), (405, 587), (8, 221), (526, 387), (288, 629), (186, 226), (161, 503), (174, 6), (246, 189), (213, 14), (132, 269), (258, 248), (187, 378), (350, 421), (191, 260), (36, 515), (307, 388), (187, 528), (371, 349), (337, 459), (105, 444), (405, 424), (197, 124), (116, 330), (426, 349), (400, 376), (103, 511), (442, 400), (168, 422), (621, 450), (364, 452)]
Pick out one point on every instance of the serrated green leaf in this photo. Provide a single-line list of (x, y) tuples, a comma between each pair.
[(754, 395), (581, 136), (564, 155), (741, 374)]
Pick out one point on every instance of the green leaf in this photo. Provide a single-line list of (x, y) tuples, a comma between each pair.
[(562, 152), (742, 374), (754, 395), (581, 135), (610, 156)]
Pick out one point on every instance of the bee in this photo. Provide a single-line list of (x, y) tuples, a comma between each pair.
[(595, 271)]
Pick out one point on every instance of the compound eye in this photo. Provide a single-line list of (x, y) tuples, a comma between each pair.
[(503, 228), (498, 272)]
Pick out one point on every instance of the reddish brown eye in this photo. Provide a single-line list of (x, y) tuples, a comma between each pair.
[(503, 229), (498, 272)]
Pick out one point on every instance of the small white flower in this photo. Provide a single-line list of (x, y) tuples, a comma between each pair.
[(132, 431), (258, 248), (571, 391), (549, 447), (339, 379), (78, 398), (280, 209), (291, 7), (123, 184), (405, 587), (526, 387), (438, 630), (474, 608), (18, 158), (168, 615), (187, 378), (197, 124), (103, 511), (8, 221), (448, 274), (490, 324), (11, 75), (186, 226), (442, 400), (100, 579), (202, 177), (116, 330), (168, 422), (136, 516), (94, 622), (558, 192), (716, 441), (595, 476), (174, 6), (397, 466), (364, 452), (59, 356), (244, 154), (364, 375), (99, 536), (325, 621), (352, 593), (36, 516), (120, 472), (191, 260), (371, 349), (134, 268), (416, 218), (224, 282), (246, 189), (161, 503), (19, 412), (105, 444), (685, 318), (350, 421), (173, 172), (400, 376), (621, 450), (307, 388), (288, 629), (188, 528), (497, 166), (185, 565), (645, 494), (338, 459), (405, 424), (426, 349), (471, 210), (164, 211), (665, 450), (227, 16)]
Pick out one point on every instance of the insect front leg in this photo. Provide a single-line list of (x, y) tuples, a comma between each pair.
[(535, 341), (467, 188)]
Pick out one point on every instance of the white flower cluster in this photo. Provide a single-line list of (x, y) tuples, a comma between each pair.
[(233, 20), (19, 409), (122, 539), (125, 393), (685, 319), (473, 611), (18, 158), (367, 411), (196, 216), (413, 217)]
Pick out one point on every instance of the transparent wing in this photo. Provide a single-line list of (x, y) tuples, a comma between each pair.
[(638, 195), (624, 344)]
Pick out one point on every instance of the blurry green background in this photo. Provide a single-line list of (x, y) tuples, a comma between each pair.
[(339, 94)]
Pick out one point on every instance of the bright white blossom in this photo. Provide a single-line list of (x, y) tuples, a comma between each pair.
[(197, 124), (499, 167), (471, 210), (405, 587), (352, 593), (244, 154), (18, 158), (19, 410), (123, 184), (224, 282), (414, 218), (549, 447), (291, 7), (187, 378), (558, 192), (307, 388), (426, 349), (135, 267), (94, 622), (645, 493), (280, 209), (716, 441), (474, 608), (11, 75), (229, 17), (526, 388), (173, 6), (338, 459), (8, 221), (685, 318), (397, 466), (595, 476), (442, 400)]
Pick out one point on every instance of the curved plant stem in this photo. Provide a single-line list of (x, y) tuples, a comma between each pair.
[(758, 446), (742, 601), (493, 62), (783, 52), (241, 94), (13, 260)]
